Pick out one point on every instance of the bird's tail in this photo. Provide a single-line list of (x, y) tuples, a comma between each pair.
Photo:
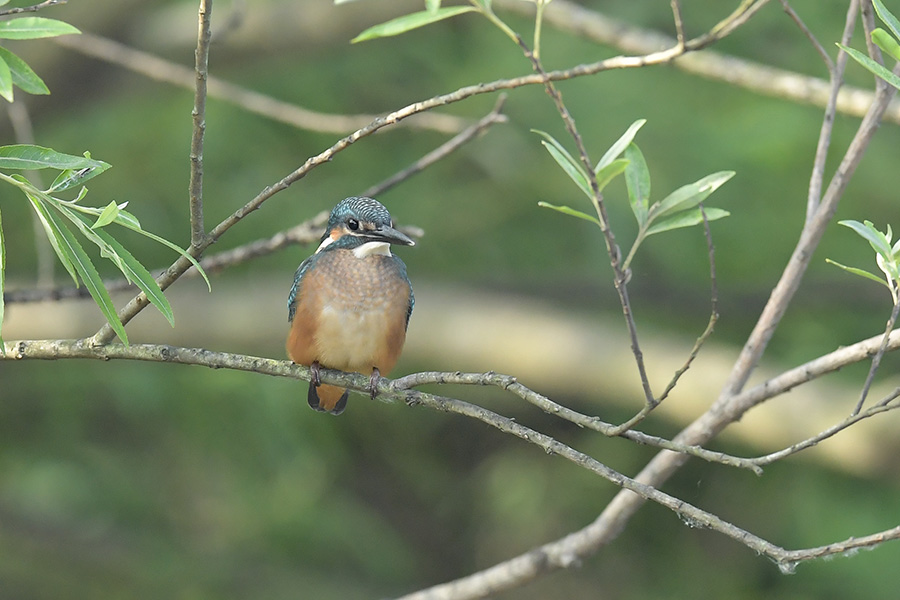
[(327, 398)]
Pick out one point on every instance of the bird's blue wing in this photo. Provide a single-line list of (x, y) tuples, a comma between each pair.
[(298, 281)]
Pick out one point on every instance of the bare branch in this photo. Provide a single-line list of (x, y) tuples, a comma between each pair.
[(763, 79), (836, 74), (198, 231), (33, 8), (254, 102), (560, 554)]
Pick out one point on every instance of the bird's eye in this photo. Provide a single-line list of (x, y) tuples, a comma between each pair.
[(353, 224)]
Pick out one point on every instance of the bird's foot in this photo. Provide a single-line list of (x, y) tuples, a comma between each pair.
[(314, 372), (373, 382)]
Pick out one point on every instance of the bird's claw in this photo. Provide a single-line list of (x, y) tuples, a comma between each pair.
[(373, 382)]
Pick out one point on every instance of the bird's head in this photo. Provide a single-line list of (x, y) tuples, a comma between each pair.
[(363, 225)]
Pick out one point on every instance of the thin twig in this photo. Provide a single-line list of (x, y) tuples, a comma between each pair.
[(198, 231), (829, 64), (882, 407), (738, 72), (836, 75), (510, 384), (882, 348), (33, 8), (679, 22), (620, 279), (251, 101)]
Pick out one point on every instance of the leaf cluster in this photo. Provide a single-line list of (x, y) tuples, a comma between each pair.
[(887, 257), (62, 219), (13, 70), (681, 208), (888, 43)]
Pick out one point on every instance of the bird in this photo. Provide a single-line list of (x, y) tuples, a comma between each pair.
[(350, 303)]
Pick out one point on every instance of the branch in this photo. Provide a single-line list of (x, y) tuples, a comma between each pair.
[(199, 119), (254, 102), (33, 8), (756, 77), (306, 232), (542, 559)]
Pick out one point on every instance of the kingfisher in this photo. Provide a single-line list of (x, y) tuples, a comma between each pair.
[(350, 303)]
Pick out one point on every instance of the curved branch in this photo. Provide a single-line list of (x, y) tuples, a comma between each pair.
[(542, 559), (756, 77)]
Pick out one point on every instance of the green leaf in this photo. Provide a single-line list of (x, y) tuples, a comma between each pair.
[(2, 274), (22, 75), (52, 236), (86, 271), (108, 215), (610, 172), (859, 272), (637, 180), (6, 85), (571, 212), (887, 43), (687, 218), (412, 21), (690, 195), (30, 28), (871, 65), (568, 163), (619, 146), (128, 220), (132, 268), (30, 157), (867, 230), (889, 19)]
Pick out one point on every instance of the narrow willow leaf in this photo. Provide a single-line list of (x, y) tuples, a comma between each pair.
[(52, 236), (30, 157), (871, 65), (619, 146), (88, 274), (565, 160), (687, 218), (131, 267), (859, 272), (571, 212), (6, 85), (108, 215), (129, 223), (610, 172), (106, 251), (887, 43), (22, 75), (410, 22), (889, 19), (30, 28), (2, 275), (637, 180), (875, 238), (690, 195)]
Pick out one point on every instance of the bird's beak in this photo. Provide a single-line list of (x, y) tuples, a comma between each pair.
[(388, 234)]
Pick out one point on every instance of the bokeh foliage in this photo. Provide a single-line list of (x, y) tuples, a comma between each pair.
[(132, 480)]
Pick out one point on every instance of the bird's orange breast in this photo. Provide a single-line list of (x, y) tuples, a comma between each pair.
[(351, 313)]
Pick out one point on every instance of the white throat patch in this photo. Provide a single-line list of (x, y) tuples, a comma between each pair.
[(323, 245), (371, 249)]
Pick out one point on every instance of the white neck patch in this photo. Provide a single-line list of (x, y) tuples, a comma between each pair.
[(371, 249), (323, 245)]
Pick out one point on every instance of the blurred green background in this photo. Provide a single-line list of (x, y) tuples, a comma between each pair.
[(122, 480)]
